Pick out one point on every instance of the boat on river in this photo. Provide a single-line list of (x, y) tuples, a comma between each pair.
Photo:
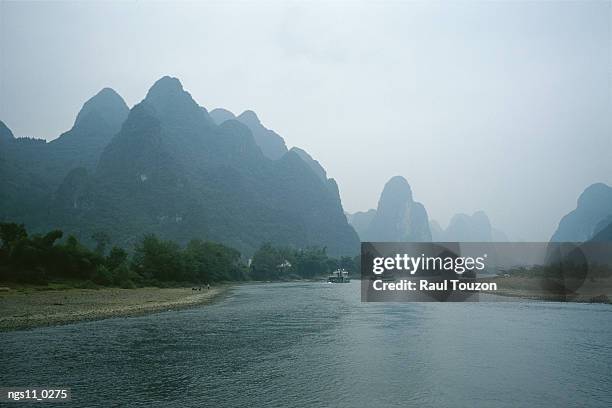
[(339, 276)]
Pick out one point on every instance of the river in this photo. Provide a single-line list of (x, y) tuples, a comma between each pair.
[(317, 345)]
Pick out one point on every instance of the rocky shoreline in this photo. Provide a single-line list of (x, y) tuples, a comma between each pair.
[(24, 309)]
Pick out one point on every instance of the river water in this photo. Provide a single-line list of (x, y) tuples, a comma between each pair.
[(317, 345)]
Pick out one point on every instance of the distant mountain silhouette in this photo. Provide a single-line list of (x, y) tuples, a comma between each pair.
[(33, 169), (271, 144), (499, 235), (221, 115), (314, 165), (106, 106), (594, 206), (437, 233), (361, 221), (5, 133), (12, 175), (98, 121), (603, 231), (467, 228), (166, 167), (397, 218)]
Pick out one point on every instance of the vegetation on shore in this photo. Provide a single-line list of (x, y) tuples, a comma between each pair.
[(43, 259), (562, 270), (565, 280)]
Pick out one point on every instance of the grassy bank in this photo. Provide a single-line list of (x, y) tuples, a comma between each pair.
[(27, 307)]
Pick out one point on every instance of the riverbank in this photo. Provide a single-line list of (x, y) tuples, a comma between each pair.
[(584, 291), (23, 309)]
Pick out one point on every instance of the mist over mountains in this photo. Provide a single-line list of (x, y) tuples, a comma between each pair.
[(169, 167), (32, 169), (271, 144), (468, 228), (591, 219), (397, 218)]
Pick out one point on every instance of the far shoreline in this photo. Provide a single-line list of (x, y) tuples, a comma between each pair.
[(22, 310), (551, 297), (533, 288)]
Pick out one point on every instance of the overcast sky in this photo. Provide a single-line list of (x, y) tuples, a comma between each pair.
[(501, 107)]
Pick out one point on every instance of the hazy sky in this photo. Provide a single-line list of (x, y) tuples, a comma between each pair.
[(501, 107)]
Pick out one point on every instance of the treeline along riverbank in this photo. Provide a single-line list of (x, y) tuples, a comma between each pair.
[(46, 259)]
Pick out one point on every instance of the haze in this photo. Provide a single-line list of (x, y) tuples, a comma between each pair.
[(501, 107)]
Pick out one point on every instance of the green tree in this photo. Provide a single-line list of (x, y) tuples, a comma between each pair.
[(270, 263), (210, 262), (10, 234), (159, 259), (312, 262), (116, 257), (102, 240)]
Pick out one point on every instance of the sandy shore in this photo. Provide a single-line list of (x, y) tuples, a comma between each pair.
[(32, 308)]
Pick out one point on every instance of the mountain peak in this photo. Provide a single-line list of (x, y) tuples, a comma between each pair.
[(398, 217), (396, 190), (220, 115), (469, 228), (594, 205), (5, 132), (249, 117), (595, 194), (106, 104), (107, 92), (271, 143), (481, 216), (175, 105), (164, 86)]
